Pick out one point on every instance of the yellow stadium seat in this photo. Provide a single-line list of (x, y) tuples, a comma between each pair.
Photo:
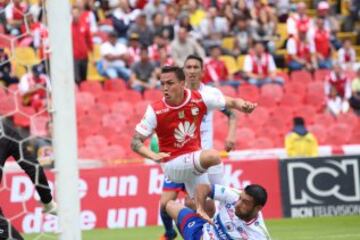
[(240, 62), (19, 70), (92, 73), (228, 43), (230, 63), (347, 35), (95, 55), (282, 31), (26, 56)]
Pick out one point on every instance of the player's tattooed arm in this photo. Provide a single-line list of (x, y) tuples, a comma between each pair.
[(137, 145), (137, 142), (232, 123)]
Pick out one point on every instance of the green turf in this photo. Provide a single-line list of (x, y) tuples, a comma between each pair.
[(325, 228)]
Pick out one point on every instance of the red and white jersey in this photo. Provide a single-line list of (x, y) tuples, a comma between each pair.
[(340, 83), (294, 22), (178, 127), (301, 49), (346, 56), (227, 225), (263, 65)]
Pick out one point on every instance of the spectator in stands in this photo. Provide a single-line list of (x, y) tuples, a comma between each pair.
[(242, 34), (33, 88), (242, 10), (134, 47), (154, 7), (300, 52), (170, 20), (144, 30), (114, 57), (87, 16), (121, 18), (331, 24), (298, 18), (355, 96), (260, 68), (338, 90), (215, 71), (300, 142), (5, 69), (347, 56), (15, 12), (159, 42), (263, 30), (157, 24), (213, 28), (196, 13), (183, 46), (143, 73), (320, 38), (82, 45)]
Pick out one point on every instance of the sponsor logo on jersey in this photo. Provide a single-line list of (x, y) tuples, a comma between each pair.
[(195, 111), (161, 111), (184, 132), (181, 115)]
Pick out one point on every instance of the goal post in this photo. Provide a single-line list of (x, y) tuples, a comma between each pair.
[(63, 110)]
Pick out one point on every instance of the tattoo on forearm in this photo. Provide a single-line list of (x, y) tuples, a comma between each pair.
[(137, 142)]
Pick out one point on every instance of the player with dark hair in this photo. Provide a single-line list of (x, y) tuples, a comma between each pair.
[(238, 216), (12, 144)]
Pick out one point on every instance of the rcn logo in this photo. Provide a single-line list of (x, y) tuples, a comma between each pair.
[(323, 181)]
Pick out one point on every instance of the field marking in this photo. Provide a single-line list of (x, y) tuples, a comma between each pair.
[(339, 236)]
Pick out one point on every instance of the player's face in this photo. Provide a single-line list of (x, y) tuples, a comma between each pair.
[(193, 71), (245, 207), (172, 88)]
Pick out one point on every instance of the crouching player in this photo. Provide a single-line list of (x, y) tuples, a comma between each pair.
[(238, 215)]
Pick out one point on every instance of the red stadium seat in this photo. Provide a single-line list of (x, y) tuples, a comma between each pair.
[(245, 137), (291, 100), (109, 98), (117, 121), (8, 104), (100, 109), (228, 91), (355, 137), (320, 132), (93, 87), (321, 74), (259, 117), (339, 134), (303, 77), (315, 87), (38, 125), (278, 122), (97, 141), (316, 100), (295, 88), (324, 119), (348, 118), (285, 112), (85, 100), (307, 112), (114, 152), (132, 96), (267, 101), (116, 85), (274, 91), (122, 107), (262, 143), (249, 92), (153, 95)]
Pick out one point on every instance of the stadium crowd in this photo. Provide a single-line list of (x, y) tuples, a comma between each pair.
[(293, 57)]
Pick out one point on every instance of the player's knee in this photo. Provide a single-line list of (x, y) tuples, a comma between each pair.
[(169, 205), (210, 158)]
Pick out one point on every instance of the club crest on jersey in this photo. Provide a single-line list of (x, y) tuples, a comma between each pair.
[(195, 111), (181, 115)]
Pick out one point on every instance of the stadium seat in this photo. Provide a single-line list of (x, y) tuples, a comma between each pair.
[(109, 98), (246, 136), (91, 86), (228, 91), (272, 90), (97, 141), (100, 109), (38, 125), (355, 137), (115, 85), (281, 124), (303, 77), (324, 119), (249, 92), (8, 104), (123, 107), (153, 95), (308, 112), (230, 63), (261, 143), (228, 43), (113, 152), (259, 117), (316, 100), (116, 121), (267, 101), (320, 132), (85, 99), (321, 74), (348, 118), (132, 96), (240, 62), (296, 88), (286, 112), (291, 100), (26, 56), (315, 87), (339, 134), (282, 31)]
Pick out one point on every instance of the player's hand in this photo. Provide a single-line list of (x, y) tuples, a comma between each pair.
[(204, 216), (229, 144), (50, 208), (248, 107), (160, 156)]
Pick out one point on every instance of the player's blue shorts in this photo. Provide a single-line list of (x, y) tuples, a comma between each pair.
[(190, 224), (172, 186)]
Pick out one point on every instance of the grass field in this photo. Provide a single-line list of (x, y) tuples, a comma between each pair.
[(325, 228)]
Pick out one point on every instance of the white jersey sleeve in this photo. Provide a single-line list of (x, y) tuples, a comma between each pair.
[(213, 99), (224, 194), (148, 123)]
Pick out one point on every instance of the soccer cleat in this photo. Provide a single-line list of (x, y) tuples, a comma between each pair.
[(168, 236), (50, 208)]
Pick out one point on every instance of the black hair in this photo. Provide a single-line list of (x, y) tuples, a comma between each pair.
[(258, 193), (195, 57), (179, 73), (299, 121)]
